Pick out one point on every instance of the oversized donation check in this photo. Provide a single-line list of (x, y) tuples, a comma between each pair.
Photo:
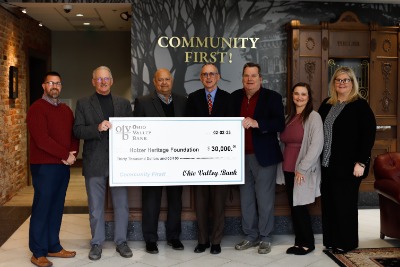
[(176, 151)]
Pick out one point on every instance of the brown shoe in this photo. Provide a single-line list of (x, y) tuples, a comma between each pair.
[(62, 254), (41, 261)]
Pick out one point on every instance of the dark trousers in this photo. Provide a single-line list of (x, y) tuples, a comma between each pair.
[(339, 197), (210, 197), (151, 204), (302, 226), (50, 183)]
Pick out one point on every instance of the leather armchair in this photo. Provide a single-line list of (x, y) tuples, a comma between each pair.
[(387, 184)]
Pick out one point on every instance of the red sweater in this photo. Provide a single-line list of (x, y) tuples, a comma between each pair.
[(51, 136), (247, 110)]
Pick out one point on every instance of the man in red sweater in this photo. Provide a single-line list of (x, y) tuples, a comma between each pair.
[(53, 149)]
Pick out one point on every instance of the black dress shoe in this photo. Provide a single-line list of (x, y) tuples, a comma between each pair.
[(303, 251), (175, 244), (201, 248), (291, 250), (299, 250), (151, 247), (215, 249)]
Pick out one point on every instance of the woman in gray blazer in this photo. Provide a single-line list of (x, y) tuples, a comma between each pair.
[(302, 142)]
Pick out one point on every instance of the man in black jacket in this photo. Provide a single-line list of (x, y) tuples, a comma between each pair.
[(161, 103), (210, 101)]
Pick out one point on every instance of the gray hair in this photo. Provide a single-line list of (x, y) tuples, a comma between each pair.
[(102, 68)]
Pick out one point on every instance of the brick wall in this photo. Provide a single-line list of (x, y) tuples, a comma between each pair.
[(19, 36)]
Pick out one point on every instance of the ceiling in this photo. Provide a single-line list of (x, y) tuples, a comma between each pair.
[(102, 17)]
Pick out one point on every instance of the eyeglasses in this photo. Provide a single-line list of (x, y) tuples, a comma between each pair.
[(342, 81), (53, 83), (209, 74), (104, 79)]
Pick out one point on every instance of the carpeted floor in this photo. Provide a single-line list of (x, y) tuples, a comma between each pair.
[(10, 219), (367, 257)]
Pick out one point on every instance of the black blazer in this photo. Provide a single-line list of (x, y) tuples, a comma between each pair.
[(353, 136), (270, 116), (150, 106), (197, 104)]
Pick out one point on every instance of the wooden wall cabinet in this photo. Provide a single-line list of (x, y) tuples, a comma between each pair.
[(315, 51)]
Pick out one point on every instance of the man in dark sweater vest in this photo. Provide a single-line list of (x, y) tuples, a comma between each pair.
[(161, 103), (53, 149), (91, 124)]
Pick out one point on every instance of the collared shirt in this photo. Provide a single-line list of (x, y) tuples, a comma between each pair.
[(162, 98), (51, 100), (247, 110), (212, 93)]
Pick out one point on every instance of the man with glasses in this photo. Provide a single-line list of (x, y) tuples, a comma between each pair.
[(91, 124), (161, 103), (264, 118), (210, 101), (53, 149)]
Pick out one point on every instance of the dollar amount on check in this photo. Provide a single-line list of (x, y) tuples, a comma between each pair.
[(176, 151)]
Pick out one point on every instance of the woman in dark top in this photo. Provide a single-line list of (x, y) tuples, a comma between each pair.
[(349, 135)]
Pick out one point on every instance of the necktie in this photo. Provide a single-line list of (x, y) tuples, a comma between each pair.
[(209, 101)]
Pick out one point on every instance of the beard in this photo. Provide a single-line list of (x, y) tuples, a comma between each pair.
[(53, 93)]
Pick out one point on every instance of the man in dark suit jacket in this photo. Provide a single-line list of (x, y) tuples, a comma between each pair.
[(264, 118), (161, 103), (210, 101), (91, 124)]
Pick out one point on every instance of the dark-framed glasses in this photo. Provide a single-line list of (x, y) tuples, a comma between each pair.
[(103, 79), (208, 74), (342, 81), (53, 83)]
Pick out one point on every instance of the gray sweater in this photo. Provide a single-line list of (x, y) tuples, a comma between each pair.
[(308, 162)]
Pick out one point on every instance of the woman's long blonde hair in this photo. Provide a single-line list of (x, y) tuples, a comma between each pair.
[(355, 91)]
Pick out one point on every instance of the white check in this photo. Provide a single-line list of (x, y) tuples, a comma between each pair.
[(176, 151)]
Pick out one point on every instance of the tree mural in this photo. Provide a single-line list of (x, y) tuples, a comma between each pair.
[(186, 18)]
